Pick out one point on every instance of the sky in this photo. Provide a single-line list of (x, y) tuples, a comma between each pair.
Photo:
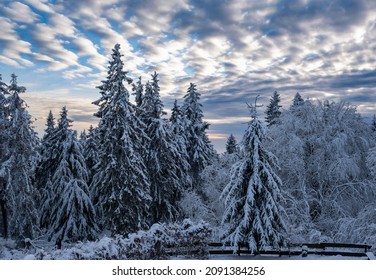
[(233, 50)]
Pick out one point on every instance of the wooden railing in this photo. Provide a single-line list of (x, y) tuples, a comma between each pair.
[(304, 249)]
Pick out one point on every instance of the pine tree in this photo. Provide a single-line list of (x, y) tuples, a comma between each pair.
[(200, 150), (167, 168), (72, 215), (18, 167), (120, 184), (252, 197), (273, 109), (231, 145)]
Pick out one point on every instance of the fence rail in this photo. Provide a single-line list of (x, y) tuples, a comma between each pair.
[(303, 249)]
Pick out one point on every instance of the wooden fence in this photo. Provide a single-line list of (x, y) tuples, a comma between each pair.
[(304, 249)]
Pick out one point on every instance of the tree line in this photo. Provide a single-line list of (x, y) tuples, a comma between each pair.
[(306, 174), (122, 176)]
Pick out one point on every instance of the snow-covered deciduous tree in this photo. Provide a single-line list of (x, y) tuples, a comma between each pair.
[(215, 178), (120, 185), (371, 162), (167, 167), (322, 148), (200, 150), (72, 214), (373, 124), (194, 207), (273, 109), (253, 208), (17, 169)]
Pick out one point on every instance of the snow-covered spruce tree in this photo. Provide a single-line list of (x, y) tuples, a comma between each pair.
[(120, 186), (18, 167), (297, 101), (252, 198), (3, 155), (138, 92), (83, 138), (72, 214), (90, 152), (273, 109), (46, 167), (177, 127), (231, 145), (200, 150), (167, 168)]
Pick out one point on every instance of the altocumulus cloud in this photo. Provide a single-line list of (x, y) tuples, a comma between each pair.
[(233, 50)]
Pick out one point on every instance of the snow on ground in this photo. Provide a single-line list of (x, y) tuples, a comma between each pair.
[(105, 249)]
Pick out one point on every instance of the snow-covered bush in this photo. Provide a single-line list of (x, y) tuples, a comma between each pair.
[(197, 236), (194, 208), (187, 239), (361, 229), (149, 244)]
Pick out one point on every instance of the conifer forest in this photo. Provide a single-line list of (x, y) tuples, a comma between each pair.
[(303, 173)]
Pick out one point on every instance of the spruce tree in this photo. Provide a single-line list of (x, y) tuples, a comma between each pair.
[(46, 167), (231, 145), (297, 101), (252, 198), (83, 138), (72, 214), (167, 167), (273, 109), (121, 188), (91, 152), (18, 167), (177, 128), (199, 148), (138, 92), (3, 154)]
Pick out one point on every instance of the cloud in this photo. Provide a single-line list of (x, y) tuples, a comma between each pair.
[(41, 5), (20, 12), (8, 61), (62, 25), (80, 109), (87, 48), (13, 48), (233, 50), (48, 43)]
